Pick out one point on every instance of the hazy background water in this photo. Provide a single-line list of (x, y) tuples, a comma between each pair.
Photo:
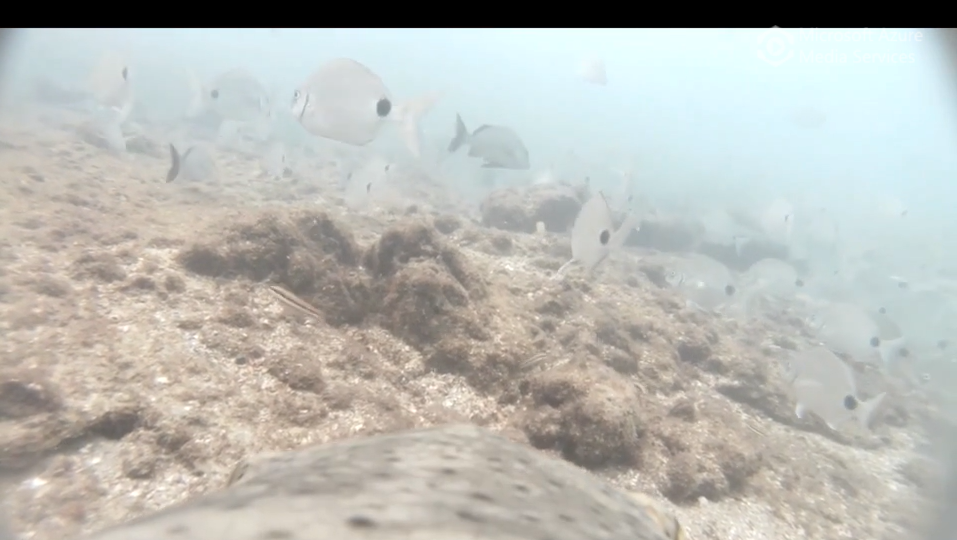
[(690, 108)]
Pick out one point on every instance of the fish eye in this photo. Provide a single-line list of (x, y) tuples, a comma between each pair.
[(904, 353), (875, 341), (604, 237), (882, 311), (925, 377), (850, 402), (214, 94), (799, 282), (125, 73), (369, 187), (729, 290), (296, 95), (383, 107)]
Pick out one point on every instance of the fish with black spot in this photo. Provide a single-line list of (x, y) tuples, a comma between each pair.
[(824, 385), (346, 101)]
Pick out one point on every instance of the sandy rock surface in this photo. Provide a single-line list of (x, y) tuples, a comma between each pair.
[(143, 355)]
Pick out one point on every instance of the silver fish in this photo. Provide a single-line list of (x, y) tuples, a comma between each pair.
[(235, 95), (346, 102), (773, 277), (706, 283), (771, 281), (848, 329), (398, 486), (111, 90), (594, 236), (925, 316), (824, 385), (499, 146), (110, 86)]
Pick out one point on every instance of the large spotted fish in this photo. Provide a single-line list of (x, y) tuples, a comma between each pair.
[(453, 482)]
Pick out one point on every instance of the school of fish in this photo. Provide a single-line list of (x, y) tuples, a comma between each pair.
[(863, 308)]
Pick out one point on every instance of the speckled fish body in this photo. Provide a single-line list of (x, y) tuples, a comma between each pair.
[(456, 482)]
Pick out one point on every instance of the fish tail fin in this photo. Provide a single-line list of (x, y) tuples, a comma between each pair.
[(409, 114), (866, 410), (618, 239), (461, 134), (174, 164), (197, 94)]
